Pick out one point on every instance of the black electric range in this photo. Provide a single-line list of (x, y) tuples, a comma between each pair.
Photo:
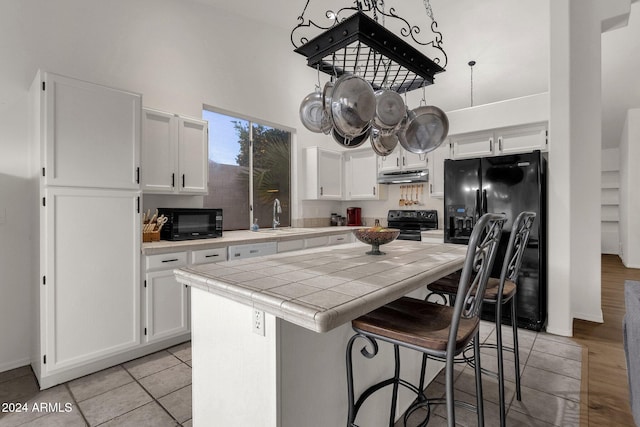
[(412, 222)]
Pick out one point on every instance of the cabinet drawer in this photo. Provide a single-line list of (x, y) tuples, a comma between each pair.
[(339, 239), (164, 261), (314, 242), (290, 245), (252, 250), (209, 255)]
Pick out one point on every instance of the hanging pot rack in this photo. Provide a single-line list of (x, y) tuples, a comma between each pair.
[(360, 45)]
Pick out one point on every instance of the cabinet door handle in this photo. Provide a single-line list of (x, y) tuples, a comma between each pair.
[(254, 251), (173, 180), (403, 161), (339, 239), (170, 260), (182, 180), (374, 191), (491, 144), (212, 255), (321, 191), (397, 162), (431, 188)]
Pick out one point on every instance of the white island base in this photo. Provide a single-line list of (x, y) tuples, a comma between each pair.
[(290, 377)]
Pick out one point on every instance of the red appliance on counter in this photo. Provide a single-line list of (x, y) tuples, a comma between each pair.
[(354, 216)]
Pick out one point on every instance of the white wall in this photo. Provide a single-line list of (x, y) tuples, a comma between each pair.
[(629, 195), (178, 54), (574, 155)]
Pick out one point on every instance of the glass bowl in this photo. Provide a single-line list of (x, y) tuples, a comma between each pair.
[(376, 237)]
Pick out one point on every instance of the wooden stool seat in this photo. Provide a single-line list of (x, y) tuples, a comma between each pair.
[(417, 322)]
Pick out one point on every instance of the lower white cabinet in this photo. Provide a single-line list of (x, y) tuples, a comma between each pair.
[(166, 300), (88, 298)]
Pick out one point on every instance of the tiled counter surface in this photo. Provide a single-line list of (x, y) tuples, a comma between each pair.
[(241, 237), (320, 289)]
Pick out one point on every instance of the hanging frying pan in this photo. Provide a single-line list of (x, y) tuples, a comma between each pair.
[(426, 128)]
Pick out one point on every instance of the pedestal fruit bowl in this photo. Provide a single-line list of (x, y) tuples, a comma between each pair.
[(376, 236)]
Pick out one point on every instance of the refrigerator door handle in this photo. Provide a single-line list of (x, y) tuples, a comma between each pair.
[(484, 202), (478, 207)]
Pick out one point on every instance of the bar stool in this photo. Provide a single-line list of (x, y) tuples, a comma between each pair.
[(499, 292), (433, 329)]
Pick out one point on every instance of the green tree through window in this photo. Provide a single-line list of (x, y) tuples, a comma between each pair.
[(236, 171)]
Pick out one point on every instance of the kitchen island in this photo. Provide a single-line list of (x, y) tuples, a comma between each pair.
[(269, 334)]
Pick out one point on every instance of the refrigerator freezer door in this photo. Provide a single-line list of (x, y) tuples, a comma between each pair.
[(461, 199), (512, 184)]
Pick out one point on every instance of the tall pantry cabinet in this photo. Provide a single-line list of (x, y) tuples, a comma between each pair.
[(86, 234)]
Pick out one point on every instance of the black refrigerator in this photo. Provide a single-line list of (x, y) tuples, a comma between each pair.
[(503, 184)]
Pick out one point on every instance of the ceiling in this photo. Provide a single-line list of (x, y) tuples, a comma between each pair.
[(508, 40)]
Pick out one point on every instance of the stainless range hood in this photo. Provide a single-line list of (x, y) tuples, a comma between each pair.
[(403, 177)]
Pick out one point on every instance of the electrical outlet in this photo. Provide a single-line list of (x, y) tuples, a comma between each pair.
[(258, 322)]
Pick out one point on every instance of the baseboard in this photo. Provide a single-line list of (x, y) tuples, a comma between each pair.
[(589, 317), (7, 366), (560, 332)]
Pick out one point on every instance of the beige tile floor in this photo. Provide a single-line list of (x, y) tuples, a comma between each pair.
[(550, 369), (156, 390), (152, 391)]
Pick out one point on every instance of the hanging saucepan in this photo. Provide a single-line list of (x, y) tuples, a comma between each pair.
[(311, 112), (327, 123), (382, 144), (390, 110), (352, 105), (350, 142), (426, 128)]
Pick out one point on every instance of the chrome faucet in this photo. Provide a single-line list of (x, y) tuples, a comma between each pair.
[(277, 209)]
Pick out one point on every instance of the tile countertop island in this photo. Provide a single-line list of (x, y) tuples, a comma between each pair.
[(269, 334)]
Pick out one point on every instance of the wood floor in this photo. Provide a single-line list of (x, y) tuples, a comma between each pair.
[(606, 373)]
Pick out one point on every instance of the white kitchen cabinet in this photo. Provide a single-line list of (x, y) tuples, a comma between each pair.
[(361, 172), (174, 153), (89, 259), (166, 300), (86, 233), (250, 250), (90, 134), (205, 256), (290, 245), (436, 169), (522, 139), (324, 174), (478, 144), (402, 160), (496, 142)]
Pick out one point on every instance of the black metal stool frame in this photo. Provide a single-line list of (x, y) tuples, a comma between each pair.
[(518, 239), (479, 260)]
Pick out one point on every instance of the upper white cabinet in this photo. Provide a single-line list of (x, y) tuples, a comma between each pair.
[(436, 169), (89, 134), (401, 159), (496, 142), (475, 145), (174, 153), (522, 139), (361, 170), (324, 174)]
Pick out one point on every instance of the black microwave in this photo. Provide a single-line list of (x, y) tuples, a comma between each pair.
[(191, 223)]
